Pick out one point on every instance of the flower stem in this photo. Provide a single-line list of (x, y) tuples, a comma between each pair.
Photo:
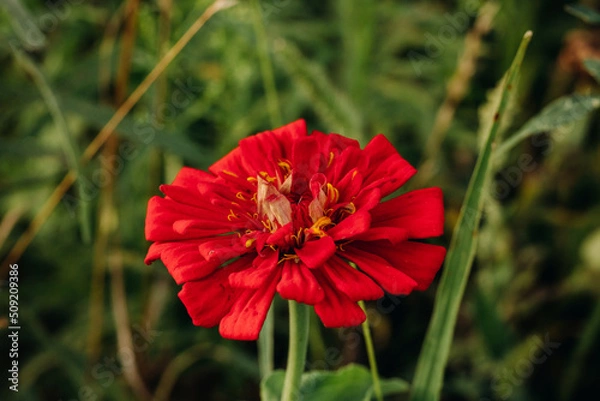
[(299, 322), (265, 346), (371, 354)]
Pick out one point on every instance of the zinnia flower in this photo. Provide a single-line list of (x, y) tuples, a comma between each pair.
[(286, 212)]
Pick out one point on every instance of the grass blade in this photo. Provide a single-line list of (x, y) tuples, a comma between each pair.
[(427, 383), (584, 13), (69, 145)]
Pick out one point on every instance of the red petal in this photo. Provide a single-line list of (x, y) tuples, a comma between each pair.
[(298, 283), (421, 212), (211, 298), (243, 163), (232, 162), (352, 225), (367, 200), (392, 280), (290, 133), (280, 236), (419, 261), (350, 185), (315, 253), (256, 276), (223, 248), (343, 163), (307, 160), (356, 285), (190, 177), (182, 259), (387, 170), (163, 213), (249, 311), (154, 251), (337, 309), (392, 234)]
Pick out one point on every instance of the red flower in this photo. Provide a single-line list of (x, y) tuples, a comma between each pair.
[(285, 212)]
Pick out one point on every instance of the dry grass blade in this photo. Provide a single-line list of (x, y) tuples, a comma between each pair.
[(110, 127)]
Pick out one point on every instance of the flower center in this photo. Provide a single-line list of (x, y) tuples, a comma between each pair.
[(293, 210)]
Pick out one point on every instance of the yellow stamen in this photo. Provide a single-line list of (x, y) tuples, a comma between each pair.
[(240, 196), (267, 177), (333, 195), (230, 173), (341, 246), (231, 215), (268, 225), (289, 256), (285, 166), (250, 242), (317, 228), (331, 156)]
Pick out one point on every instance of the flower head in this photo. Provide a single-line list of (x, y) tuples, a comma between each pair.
[(287, 212)]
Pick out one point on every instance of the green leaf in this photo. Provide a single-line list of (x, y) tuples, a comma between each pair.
[(390, 387), (563, 111), (583, 13), (351, 383), (427, 383), (593, 67)]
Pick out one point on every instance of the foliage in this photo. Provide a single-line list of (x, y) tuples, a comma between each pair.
[(355, 69)]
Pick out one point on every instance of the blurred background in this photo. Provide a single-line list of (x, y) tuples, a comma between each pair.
[(98, 324)]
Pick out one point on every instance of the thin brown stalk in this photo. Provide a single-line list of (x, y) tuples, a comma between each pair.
[(108, 221), (110, 127), (456, 90), (39, 219), (96, 307), (9, 220), (122, 323)]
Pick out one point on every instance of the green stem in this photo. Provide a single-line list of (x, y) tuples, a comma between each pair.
[(266, 68), (265, 345), (371, 354), (299, 322), (265, 341)]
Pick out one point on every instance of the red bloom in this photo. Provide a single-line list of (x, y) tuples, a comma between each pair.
[(285, 212)]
